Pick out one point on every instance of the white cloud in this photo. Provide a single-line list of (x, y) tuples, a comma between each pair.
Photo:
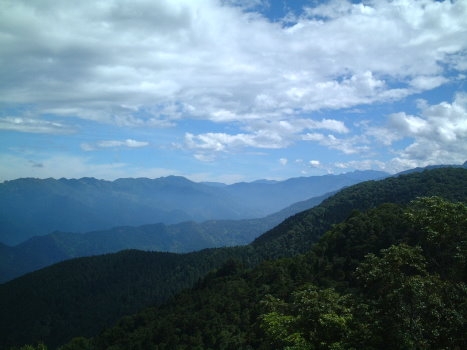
[(365, 164), (127, 143), (218, 142), (314, 163), (260, 134), (152, 64), (427, 83), (63, 165), (408, 124), (85, 146), (217, 62), (283, 161), (350, 145), (34, 125), (130, 143), (438, 135)]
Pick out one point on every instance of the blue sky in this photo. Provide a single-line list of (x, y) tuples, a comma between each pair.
[(233, 90)]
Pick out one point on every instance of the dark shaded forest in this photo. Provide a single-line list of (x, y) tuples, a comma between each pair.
[(380, 265), (393, 277)]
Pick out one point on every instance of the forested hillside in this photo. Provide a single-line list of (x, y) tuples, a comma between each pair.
[(42, 251), (82, 295), (296, 234), (393, 277), (240, 308)]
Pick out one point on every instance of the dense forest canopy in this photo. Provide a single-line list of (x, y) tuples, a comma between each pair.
[(393, 277), (390, 278), (380, 265)]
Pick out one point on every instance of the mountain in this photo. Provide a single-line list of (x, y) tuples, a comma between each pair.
[(392, 277), (41, 251), (293, 235), (80, 296), (275, 195), (436, 166), (34, 207)]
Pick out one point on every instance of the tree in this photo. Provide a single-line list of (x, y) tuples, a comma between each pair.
[(39, 346), (442, 227), (405, 307), (79, 343), (314, 319)]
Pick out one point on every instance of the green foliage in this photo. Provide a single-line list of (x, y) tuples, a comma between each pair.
[(79, 343), (81, 296), (405, 306), (217, 314), (387, 296), (342, 248), (314, 319), (392, 298), (297, 234), (377, 270), (442, 227), (39, 346)]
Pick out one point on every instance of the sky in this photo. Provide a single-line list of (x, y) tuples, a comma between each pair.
[(230, 90)]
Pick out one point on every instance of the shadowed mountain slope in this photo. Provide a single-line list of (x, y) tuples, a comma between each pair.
[(59, 302), (42, 251)]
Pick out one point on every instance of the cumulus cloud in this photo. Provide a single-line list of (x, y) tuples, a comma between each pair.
[(219, 142), (351, 145), (438, 134), (260, 134), (263, 83), (214, 60)]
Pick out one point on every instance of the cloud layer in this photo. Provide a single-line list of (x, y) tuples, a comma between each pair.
[(438, 132), (138, 62), (266, 84)]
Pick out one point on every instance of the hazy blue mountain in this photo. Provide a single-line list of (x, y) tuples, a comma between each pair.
[(42, 251), (275, 195), (32, 207)]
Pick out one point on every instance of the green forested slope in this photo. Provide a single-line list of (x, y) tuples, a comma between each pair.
[(56, 320), (80, 296), (391, 278), (296, 234)]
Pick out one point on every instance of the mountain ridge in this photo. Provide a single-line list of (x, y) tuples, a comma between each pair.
[(33, 207), (54, 309), (40, 251)]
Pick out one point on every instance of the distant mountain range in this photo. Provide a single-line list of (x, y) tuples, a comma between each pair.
[(42, 251), (34, 207)]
